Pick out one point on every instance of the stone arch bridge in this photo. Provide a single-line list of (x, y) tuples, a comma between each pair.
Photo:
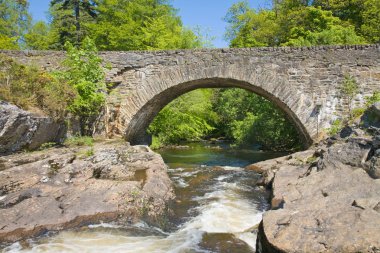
[(303, 82)]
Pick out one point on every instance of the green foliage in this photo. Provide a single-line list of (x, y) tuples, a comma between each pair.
[(37, 37), (239, 115), (370, 26), (70, 21), (189, 117), (79, 141), (47, 145), (83, 72), (335, 128), (248, 118), (290, 23), (349, 89), (9, 43), (33, 89), (373, 99), (357, 112), (140, 25), (14, 21)]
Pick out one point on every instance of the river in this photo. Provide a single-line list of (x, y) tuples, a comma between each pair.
[(217, 209)]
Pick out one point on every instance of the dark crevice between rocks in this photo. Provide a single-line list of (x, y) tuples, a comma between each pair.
[(262, 243), (355, 204), (97, 173)]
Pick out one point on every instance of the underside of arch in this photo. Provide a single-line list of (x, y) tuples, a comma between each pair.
[(136, 129)]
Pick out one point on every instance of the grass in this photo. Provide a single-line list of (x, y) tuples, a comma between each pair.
[(79, 141)]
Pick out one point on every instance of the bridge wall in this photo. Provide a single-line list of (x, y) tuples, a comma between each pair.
[(297, 80)]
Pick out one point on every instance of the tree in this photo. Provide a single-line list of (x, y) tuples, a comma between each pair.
[(314, 26), (83, 72), (346, 10), (248, 118), (292, 23), (370, 27), (140, 25), (187, 118), (37, 37), (14, 22), (349, 89), (69, 20)]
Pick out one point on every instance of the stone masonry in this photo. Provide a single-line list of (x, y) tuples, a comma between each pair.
[(303, 82)]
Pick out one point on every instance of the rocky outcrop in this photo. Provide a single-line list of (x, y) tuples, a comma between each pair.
[(62, 188), (20, 129), (326, 199)]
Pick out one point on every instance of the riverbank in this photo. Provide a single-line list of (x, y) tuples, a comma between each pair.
[(325, 199), (63, 188)]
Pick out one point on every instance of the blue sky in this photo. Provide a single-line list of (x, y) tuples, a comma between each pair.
[(207, 14)]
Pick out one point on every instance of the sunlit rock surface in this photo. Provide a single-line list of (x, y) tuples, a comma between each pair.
[(62, 188)]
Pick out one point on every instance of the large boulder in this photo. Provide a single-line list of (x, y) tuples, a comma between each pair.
[(323, 200), (64, 188), (20, 129), (333, 210)]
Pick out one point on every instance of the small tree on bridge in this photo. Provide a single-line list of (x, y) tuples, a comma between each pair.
[(349, 89)]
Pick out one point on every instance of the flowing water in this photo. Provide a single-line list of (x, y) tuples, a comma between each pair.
[(217, 209)]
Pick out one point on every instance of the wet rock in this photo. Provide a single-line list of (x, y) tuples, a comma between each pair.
[(23, 130), (60, 191), (223, 243)]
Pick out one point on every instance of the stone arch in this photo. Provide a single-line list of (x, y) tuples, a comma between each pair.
[(171, 83)]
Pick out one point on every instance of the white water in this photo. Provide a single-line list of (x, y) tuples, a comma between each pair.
[(221, 210)]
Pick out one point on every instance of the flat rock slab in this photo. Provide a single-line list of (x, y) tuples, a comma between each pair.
[(60, 188)]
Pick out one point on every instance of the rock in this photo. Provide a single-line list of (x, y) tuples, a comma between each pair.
[(61, 191), (375, 108), (330, 205), (255, 168), (353, 152), (20, 129), (373, 165), (371, 118), (223, 243), (346, 132), (325, 211), (376, 142), (269, 168)]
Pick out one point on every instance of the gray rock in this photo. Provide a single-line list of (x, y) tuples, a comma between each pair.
[(328, 205), (333, 210), (20, 129), (55, 189)]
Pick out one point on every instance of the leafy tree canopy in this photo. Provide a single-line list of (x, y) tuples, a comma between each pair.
[(302, 23), (14, 22)]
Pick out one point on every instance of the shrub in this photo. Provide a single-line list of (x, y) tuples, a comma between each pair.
[(349, 89), (336, 126), (79, 141), (85, 74), (373, 99), (33, 89)]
